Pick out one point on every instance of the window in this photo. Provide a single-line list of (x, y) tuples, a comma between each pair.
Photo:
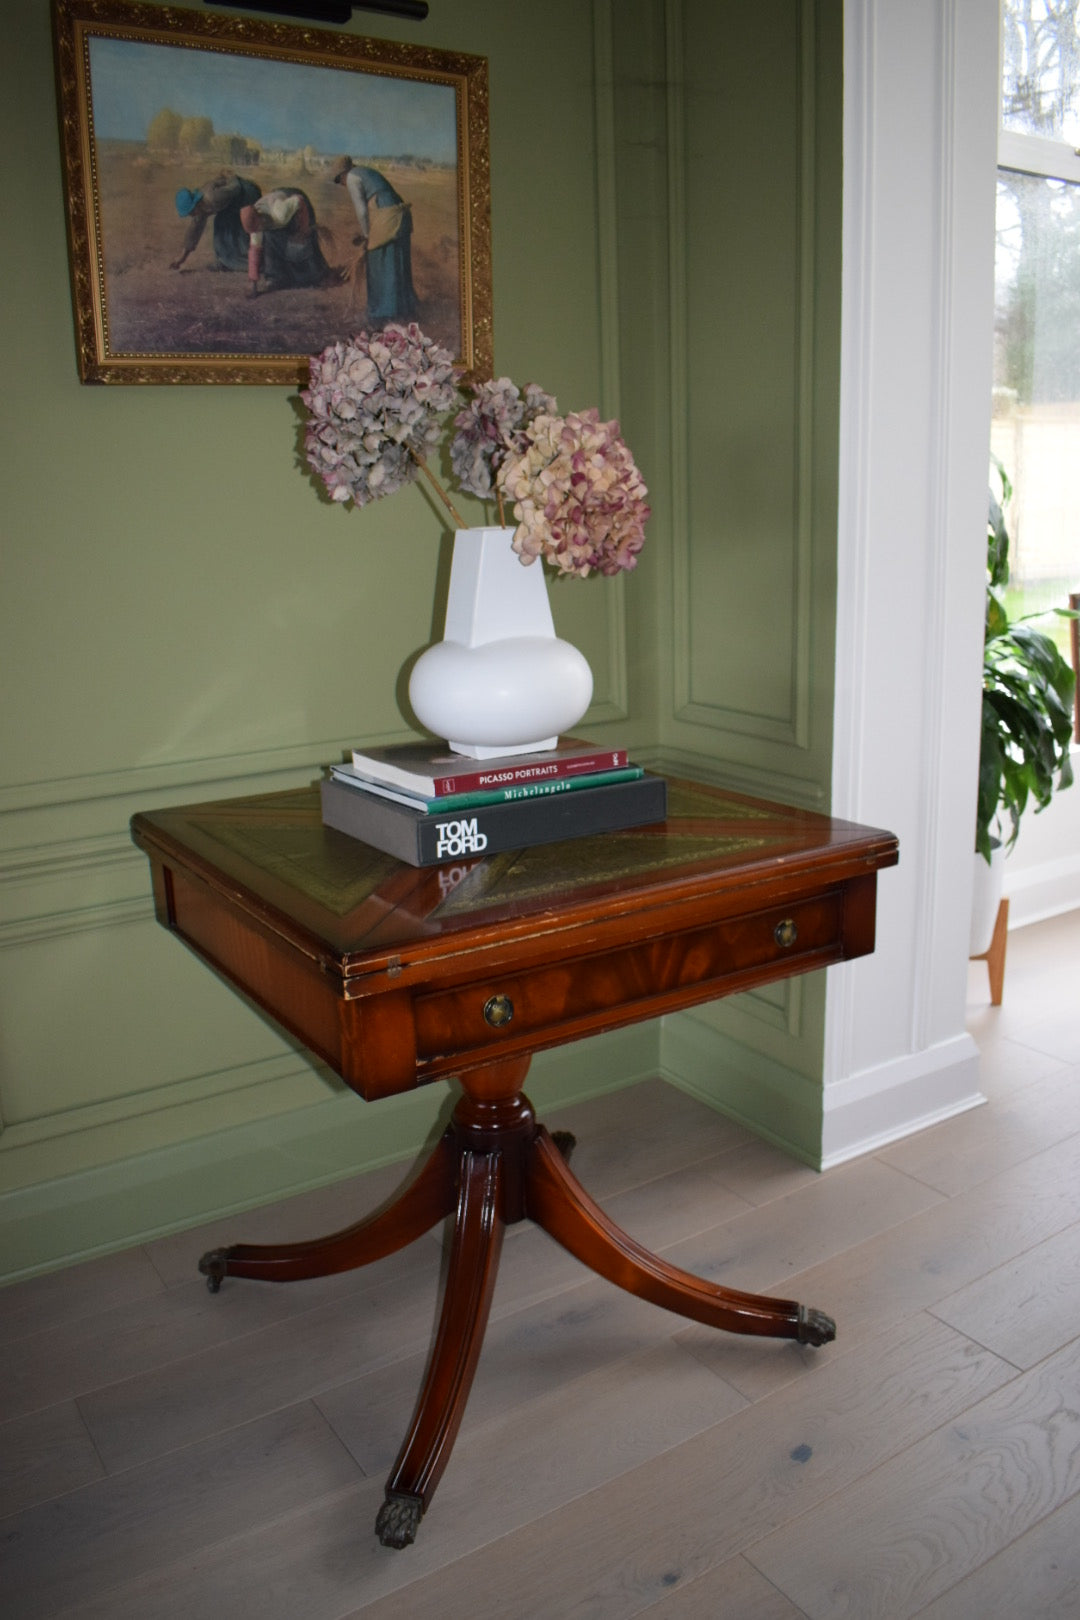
[(1036, 418)]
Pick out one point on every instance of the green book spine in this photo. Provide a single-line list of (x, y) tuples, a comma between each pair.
[(485, 796)]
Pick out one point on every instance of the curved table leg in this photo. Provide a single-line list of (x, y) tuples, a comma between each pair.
[(429, 1198), (556, 1200), (470, 1282)]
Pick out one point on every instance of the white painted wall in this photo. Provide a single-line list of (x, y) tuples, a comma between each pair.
[(1042, 874), (920, 154)]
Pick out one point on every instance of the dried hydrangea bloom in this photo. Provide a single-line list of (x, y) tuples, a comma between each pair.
[(491, 426), (374, 403), (578, 496)]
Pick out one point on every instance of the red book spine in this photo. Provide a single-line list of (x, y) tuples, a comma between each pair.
[(611, 759)]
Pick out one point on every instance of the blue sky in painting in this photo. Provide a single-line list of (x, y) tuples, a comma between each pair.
[(280, 104)]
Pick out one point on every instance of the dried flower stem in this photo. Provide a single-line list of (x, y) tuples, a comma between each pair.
[(440, 492), (502, 511)]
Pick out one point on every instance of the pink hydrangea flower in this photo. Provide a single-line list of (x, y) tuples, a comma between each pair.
[(374, 406), (578, 496), (490, 427)]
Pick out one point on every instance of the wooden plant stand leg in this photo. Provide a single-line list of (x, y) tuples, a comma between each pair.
[(995, 956), (429, 1198), (556, 1200), (474, 1259)]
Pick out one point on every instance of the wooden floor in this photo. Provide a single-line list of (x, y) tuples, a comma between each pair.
[(166, 1453)]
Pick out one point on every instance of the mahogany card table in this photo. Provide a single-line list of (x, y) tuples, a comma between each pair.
[(397, 976)]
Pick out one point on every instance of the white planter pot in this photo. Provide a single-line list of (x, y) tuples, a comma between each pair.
[(500, 681), (985, 899)]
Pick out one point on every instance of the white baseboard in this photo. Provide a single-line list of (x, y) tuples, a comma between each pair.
[(1046, 890), (863, 1112), (822, 1126)]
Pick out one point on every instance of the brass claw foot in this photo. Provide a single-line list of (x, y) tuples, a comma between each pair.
[(214, 1266), (815, 1327), (399, 1519)]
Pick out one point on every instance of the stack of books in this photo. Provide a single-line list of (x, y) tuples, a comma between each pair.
[(424, 805)]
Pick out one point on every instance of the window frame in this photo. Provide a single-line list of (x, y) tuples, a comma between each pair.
[(1049, 159)]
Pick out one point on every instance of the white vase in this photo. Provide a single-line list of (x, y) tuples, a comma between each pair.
[(500, 681), (986, 898)]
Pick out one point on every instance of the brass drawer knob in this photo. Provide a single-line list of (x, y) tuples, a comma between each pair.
[(498, 1010), (785, 933)]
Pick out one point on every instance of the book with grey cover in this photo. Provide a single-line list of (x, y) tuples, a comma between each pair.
[(427, 838)]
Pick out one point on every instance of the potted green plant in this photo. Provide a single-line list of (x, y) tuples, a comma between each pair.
[(1026, 714)]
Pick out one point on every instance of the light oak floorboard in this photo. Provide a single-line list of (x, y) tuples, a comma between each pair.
[(1055, 1034), (152, 1413), (135, 1340), (594, 1331), (974, 1147), (916, 1264), (700, 1503), (81, 1544), (884, 1548), (666, 1130), (1039, 961), (1037, 1577), (1007, 1066), (58, 1299), (1027, 1309), (44, 1455), (671, 1208), (315, 1564), (760, 1172), (732, 1591), (765, 1248)]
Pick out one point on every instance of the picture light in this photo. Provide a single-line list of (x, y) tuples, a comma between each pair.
[(331, 11)]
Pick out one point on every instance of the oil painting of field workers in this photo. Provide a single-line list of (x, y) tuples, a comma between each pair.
[(249, 200), (199, 308)]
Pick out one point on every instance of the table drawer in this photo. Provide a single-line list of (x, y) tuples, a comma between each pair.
[(590, 992)]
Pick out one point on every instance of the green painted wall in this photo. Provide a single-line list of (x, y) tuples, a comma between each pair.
[(183, 618), (729, 190)]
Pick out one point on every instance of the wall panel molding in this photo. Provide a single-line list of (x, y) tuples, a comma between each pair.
[(189, 622), (60, 925), (49, 890), (790, 725), (769, 1097), (616, 706), (223, 773), (678, 372), (763, 782), (83, 1135), (80, 1209), (939, 520)]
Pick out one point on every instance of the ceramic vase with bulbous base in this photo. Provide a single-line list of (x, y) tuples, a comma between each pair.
[(500, 681)]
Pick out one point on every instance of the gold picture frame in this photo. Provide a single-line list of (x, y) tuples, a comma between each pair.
[(174, 124)]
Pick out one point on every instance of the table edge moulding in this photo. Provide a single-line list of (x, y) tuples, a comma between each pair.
[(397, 976)]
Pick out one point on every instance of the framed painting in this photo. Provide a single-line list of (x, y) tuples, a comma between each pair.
[(242, 193)]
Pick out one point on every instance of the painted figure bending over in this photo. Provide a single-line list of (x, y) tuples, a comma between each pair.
[(291, 255), (386, 239), (221, 201)]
